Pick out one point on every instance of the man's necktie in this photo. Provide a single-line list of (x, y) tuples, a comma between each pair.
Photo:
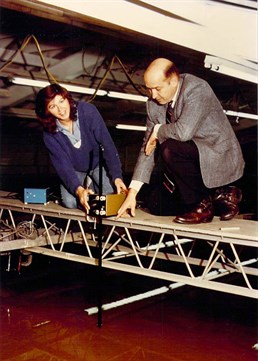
[(170, 118)]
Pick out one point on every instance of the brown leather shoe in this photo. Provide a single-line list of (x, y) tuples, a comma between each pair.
[(202, 213), (226, 200)]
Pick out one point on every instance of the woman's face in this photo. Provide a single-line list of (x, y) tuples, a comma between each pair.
[(59, 107)]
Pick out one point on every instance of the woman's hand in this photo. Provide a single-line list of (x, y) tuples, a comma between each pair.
[(83, 196), (120, 186)]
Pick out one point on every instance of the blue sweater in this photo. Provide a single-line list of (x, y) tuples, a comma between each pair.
[(67, 159)]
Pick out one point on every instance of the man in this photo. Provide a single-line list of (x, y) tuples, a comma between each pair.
[(198, 146)]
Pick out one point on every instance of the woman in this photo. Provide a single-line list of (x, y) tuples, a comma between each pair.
[(73, 134)]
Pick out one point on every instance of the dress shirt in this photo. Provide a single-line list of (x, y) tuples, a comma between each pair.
[(75, 136)]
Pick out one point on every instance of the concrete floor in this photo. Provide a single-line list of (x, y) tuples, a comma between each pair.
[(43, 318)]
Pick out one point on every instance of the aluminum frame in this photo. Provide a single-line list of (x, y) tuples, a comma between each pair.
[(196, 255)]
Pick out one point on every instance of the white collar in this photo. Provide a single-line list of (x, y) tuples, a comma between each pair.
[(173, 102)]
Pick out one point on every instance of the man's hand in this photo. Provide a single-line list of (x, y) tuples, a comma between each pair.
[(129, 203), (83, 196), (151, 144), (120, 186)]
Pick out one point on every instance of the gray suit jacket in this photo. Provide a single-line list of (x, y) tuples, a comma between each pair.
[(199, 117)]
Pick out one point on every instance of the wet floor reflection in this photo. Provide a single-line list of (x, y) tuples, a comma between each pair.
[(43, 319)]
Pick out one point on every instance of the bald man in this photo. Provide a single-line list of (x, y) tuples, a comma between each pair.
[(201, 154)]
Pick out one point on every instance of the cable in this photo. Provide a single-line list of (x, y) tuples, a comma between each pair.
[(128, 76), (114, 58), (102, 80), (26, 229), (28, 38), (51, 78)]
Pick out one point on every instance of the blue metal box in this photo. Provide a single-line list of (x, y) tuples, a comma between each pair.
[(35, 195)]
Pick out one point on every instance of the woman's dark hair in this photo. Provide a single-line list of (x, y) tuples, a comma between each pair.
[(43, 98)]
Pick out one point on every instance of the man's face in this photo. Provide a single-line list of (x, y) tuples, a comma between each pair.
[(161, 90)]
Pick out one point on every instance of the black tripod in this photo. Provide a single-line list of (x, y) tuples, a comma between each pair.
[(100, 236)]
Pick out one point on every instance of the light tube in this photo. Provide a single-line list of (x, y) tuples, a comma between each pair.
[(79, 89), (69, 87), (139, 98), (131, 127)]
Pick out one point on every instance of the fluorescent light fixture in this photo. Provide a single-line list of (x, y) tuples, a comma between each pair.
[(69, 87), (241, 115), (232, 69), (139, 98), (30, 82), (227, 112), (78, 89), (131, 127)]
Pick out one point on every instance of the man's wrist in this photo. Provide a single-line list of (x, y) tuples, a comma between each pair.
[(136, 185), (156, 129), (132, 191)]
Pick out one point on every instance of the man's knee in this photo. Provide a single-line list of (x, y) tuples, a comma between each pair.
[(168, 150), (173, 149)]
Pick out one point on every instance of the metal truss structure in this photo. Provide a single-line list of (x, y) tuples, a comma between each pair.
[(219, 256)]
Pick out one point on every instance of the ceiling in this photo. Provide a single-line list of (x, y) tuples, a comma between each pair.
[(38, 40)]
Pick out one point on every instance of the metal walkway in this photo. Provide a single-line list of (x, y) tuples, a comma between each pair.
[(220, 256)]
